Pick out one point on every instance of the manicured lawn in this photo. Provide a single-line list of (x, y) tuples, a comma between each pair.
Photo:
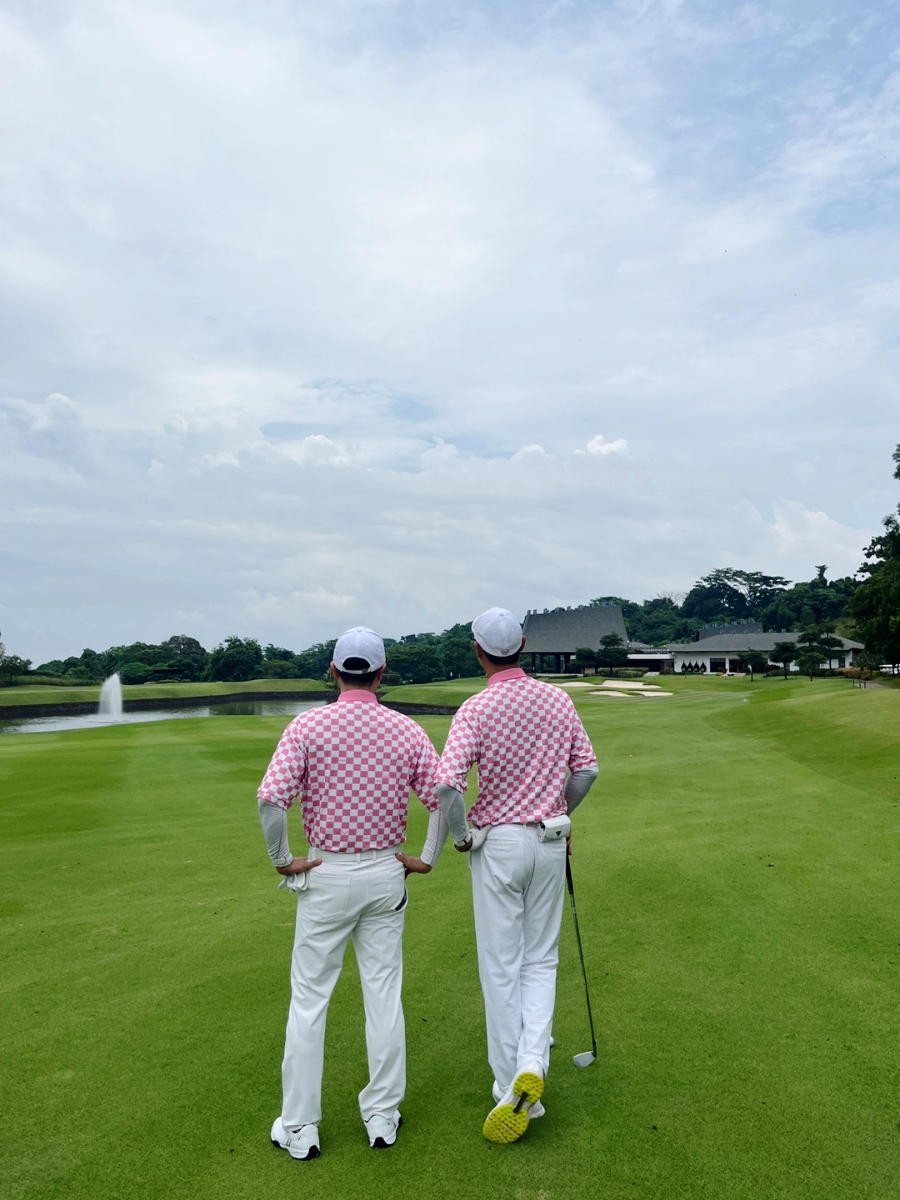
[(154, 691), (736, 872), (453, 691)]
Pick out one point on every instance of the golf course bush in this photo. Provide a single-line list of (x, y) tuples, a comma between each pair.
[(736, 876)]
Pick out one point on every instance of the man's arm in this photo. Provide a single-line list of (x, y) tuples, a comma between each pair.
[(582, 764), (274, 825), (281, 785), (578, 785), (422, 784), (460, 752), (453, 806)]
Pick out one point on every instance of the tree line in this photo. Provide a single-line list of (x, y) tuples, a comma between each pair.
[(415, 658), (867, 608)]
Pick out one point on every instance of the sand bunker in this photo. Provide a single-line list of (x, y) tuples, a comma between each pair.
[(629, 685)]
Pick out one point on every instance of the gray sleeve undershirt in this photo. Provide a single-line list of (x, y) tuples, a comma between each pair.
[(453, 806), (435, 837), (578, 785), (273, 819)]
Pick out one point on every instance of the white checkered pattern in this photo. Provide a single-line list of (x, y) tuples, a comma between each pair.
[(352, 764), (523, 734)]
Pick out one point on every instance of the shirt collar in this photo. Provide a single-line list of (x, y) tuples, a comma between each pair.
[(503, 676), (357, 696)]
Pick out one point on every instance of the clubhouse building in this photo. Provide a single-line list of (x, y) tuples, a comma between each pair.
[(552, 637), (718, 649)]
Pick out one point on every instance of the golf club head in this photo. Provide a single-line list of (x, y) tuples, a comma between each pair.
[(585, 1059)]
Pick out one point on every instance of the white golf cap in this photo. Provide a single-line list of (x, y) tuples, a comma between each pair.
[(359, 643), (498, 632)]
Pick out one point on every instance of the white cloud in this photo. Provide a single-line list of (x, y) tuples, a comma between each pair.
[(530, 454), (800, 532), (316, 451), (598, 445), (324, 308), (442, 456)]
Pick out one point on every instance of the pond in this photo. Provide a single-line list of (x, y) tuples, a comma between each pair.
[(243, 708)]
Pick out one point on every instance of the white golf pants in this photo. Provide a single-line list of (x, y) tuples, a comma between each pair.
[(362, 896), (517, 892)]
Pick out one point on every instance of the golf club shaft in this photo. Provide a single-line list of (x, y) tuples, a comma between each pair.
[(587, 995)]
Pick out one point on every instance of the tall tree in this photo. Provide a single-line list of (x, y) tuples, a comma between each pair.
[(186, 654), (875, 605), (585, 659), (784, 653), (612, 653), (11, 666), (753, 661), (809, 661), (728, 594), (236, 660), (315, 662), (415, 662)]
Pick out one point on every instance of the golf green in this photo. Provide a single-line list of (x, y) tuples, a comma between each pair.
[(736, 876)]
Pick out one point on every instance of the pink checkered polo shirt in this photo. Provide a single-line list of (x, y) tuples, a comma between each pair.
[(523, 734), (352, 764)]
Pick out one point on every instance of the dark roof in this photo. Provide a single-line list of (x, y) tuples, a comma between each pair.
[(734, 627), (568, 629), (734, 643)]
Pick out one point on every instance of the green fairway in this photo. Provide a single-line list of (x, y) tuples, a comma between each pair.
[(736, 873), (450, 692)]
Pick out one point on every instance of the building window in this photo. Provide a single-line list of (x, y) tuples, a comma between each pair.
[(718, 664)]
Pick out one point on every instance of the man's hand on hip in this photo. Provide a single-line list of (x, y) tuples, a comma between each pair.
[(298, 865), (414, 866)]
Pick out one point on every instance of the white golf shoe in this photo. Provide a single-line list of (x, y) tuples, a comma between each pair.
[(534, 1110), (508, 1119), (302, 1143), (382, 1130)]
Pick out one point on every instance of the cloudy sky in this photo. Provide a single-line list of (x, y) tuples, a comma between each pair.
[(384, 311)]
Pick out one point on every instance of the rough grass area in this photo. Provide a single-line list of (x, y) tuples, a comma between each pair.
[(736, 874), (154, 691)]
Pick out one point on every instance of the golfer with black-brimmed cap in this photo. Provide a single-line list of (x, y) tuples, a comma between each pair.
[(525, 737), (352, 764)]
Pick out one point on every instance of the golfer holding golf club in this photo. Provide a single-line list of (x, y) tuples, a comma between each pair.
[(352, 764), (523, 735)]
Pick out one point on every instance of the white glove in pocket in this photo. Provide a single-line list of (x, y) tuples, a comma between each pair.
[(295, 883), (478, 836)]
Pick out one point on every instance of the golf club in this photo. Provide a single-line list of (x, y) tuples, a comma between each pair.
[(588, 1056)]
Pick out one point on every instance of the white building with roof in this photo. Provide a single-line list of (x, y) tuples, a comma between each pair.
[(719, 649)]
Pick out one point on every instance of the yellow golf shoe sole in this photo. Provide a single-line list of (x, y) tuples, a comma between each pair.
[(507, 1122)]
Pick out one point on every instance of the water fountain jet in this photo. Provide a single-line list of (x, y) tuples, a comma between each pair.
[(111, 699)]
